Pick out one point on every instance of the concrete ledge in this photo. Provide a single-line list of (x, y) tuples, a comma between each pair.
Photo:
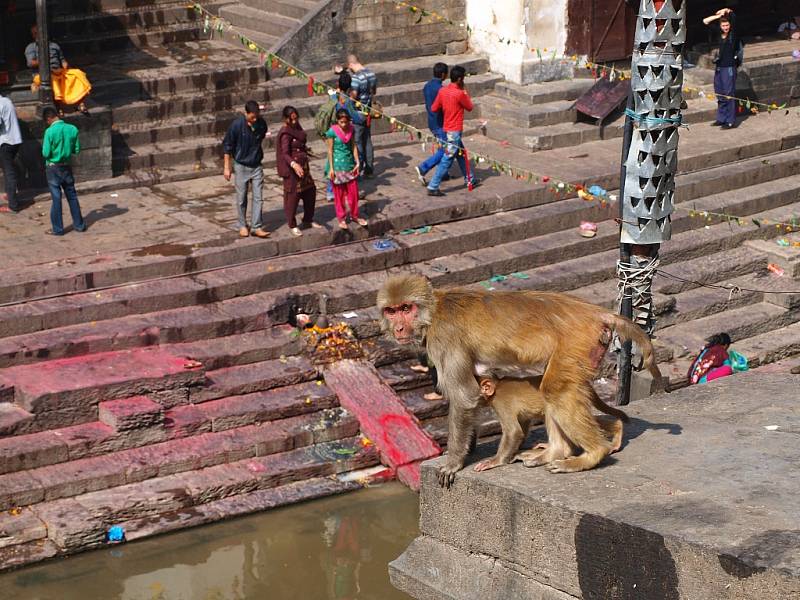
[(700, 503)]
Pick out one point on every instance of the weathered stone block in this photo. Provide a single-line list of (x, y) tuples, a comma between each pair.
[(19, 527), (131, 413)]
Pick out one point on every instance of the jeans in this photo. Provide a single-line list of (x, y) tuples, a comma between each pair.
[(255, 176), (60, 177), (725, 84), (366, 153), (451, 151), (435, 158), (8, 153)]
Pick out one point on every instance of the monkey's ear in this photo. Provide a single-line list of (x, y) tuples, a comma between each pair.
[(488, 387)]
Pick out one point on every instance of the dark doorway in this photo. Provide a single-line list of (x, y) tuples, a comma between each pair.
[(601, 29)]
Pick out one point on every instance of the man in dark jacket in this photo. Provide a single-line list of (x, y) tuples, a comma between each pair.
[(242, 145)]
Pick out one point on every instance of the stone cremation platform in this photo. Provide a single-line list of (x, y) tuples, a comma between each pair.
[(700, 503)]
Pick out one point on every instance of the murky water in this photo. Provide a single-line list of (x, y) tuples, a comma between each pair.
[(334, 548)]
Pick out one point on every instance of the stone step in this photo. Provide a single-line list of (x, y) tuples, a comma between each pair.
[(22, 451), (13, 418), (265, 40), (265, 21), (486, 420), (152, 37), (526, 115), (787, 258), (80, 522), (254, 377), (126, 21), (549, 91), (688, 338), (294, 9), (563, 135), (84, 475), (711, 269), (190, 323), (76, 385), (24, 545), (454, 237), (780, 346)]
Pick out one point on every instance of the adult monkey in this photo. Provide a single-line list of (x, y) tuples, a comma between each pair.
[(465, 329), (517, 403)]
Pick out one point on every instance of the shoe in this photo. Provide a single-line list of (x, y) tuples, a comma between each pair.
[(362, 222), (51, 232), (716, 124), (295, 231), (342, 225), (729, 126), (81, 230), (436, 193), (244, 232), (362, 194), (432, 396), (420, 176), (311, 225), (7, 209), (260, 233), (475, 183)]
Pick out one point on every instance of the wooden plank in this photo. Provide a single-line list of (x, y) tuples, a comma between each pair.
[(383, 417), (603, 98)]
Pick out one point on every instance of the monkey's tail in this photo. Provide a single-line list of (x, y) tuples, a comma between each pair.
[(628, 330), (609, 410)]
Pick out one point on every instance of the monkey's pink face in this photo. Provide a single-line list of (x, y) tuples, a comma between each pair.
[(402, 318)]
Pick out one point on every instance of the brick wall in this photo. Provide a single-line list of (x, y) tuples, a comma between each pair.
[(375, 30)]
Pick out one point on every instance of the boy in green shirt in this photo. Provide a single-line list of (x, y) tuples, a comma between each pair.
[(59, 144)]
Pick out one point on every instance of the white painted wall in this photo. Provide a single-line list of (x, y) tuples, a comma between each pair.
[(528, 23)]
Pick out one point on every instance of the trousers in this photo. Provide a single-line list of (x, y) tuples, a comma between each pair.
[(255, 177), (59, 177), (725, 84), (291, 200), (8, 153)]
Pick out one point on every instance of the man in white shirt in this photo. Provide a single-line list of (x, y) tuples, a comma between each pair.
[(10, 142)]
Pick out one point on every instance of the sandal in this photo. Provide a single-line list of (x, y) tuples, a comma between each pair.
[(419, 368), (5, 209), (342, 225), (295, 231), (362, 222)]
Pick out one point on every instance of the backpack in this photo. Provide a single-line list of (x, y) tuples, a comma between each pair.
[(325, 117)]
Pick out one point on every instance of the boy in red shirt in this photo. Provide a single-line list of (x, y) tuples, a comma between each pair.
[(452, 100)]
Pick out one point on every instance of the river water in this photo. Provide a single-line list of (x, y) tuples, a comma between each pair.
[(333, 548)]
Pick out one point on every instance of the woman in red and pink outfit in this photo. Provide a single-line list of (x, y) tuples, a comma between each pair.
[(342, 168)]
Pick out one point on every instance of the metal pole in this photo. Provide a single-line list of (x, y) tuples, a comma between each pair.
[(43, 42), (626, 304)]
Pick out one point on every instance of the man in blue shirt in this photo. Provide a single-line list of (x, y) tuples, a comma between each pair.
[(436, 125), (365, 84), (242, 145)]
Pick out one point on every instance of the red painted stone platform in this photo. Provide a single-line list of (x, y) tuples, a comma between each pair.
[(396, 432)]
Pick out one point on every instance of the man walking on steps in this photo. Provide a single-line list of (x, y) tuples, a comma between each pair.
[(436, 125), (365, 84), (10, 142), (242, 145), (452, 100), (59, 144)]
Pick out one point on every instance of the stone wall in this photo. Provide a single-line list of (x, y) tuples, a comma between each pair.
[(377, 31), (507, 32)]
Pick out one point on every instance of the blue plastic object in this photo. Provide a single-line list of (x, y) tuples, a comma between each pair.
[(115, 534)]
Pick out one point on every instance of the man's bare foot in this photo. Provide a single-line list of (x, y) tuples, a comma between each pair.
[(432, 396)]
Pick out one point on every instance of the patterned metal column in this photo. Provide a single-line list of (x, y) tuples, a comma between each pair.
[(652, 160), (649, 163)]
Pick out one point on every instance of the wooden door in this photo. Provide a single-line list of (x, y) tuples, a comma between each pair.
[(601, 29)]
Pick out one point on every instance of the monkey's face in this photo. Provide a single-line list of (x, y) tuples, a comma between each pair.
[(402, 320)]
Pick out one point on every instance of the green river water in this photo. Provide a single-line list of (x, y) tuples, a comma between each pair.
[(333, 548)]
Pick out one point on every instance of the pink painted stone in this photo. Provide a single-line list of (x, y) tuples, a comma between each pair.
[(57, 385), (383, 416), (131, 413), (23, 452)]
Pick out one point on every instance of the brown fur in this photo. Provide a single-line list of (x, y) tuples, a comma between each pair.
[(518, 403), (462, 328)]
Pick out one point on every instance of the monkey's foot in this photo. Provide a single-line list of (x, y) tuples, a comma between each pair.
[(571, 465), (490, 463), (447, 474), (535, 457)]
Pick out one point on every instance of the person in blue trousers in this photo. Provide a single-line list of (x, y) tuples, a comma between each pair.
[(436, 125), (729, 57)]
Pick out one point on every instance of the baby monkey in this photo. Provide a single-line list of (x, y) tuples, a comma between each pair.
[(519, 403)]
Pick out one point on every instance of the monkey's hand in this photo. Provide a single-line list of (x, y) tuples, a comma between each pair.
[(447, 473)]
